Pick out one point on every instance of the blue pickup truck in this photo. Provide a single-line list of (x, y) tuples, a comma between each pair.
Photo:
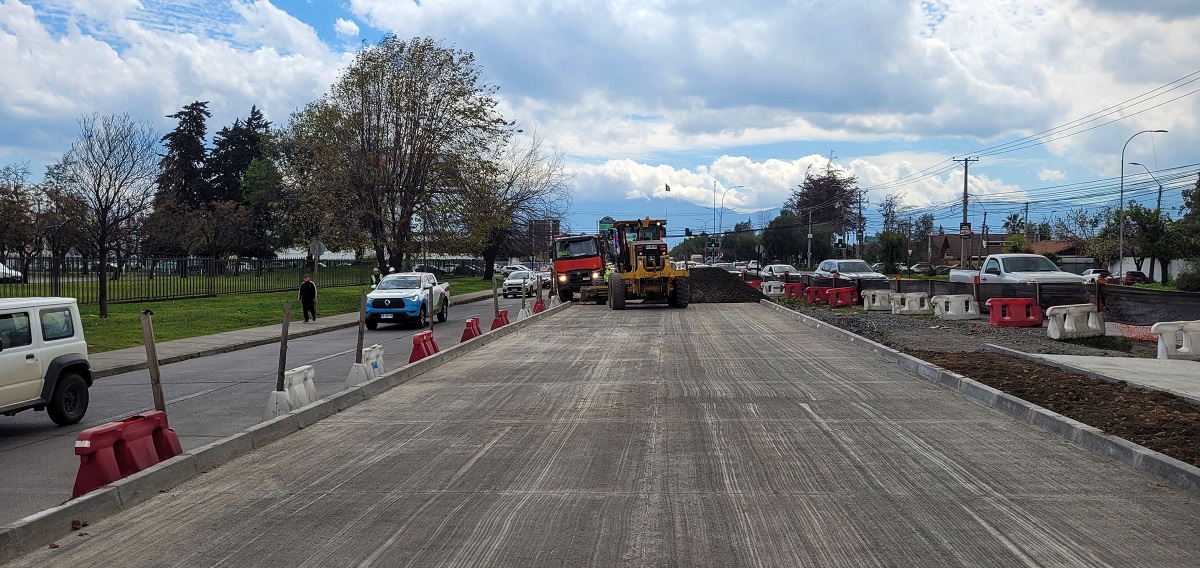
[(405, 297)]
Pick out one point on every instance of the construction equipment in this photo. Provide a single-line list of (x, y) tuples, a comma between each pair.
[(644, 270), (578, 266)]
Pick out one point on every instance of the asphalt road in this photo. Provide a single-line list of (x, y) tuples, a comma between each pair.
[(720, 435), (207, 399)]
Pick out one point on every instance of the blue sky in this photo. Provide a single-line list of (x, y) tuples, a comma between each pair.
[(697, 94)]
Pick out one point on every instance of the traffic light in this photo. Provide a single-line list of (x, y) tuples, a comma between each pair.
[(840, 244), (712, 243), (687, 232)]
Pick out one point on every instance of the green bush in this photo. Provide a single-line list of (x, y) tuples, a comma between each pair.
[(1189, 280)]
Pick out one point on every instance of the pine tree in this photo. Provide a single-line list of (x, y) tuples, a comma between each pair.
[(181, 170), (234, 148)]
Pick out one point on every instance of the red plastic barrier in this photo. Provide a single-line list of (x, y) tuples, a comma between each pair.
[(794, 289), (115, 450), (1014, 312), (472, 331), (539, 306), (501, 319), (420, 348), (814, 294), (839, 297), (97, 460), (756, 284), (431, 343)]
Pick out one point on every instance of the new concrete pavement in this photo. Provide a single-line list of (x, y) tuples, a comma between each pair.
[(719, 435)]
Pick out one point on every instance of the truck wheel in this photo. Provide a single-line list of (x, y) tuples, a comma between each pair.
[(70, 400), (442, 315), (564, 294), (683, 292), (372, 324), (423, 317), (616, 292)]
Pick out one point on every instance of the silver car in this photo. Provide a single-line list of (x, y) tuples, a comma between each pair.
[(520, 283), (848, 268)]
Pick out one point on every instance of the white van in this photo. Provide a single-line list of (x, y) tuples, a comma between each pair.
[(43, 358)]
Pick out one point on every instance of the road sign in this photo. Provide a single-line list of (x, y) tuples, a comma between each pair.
[(758, 249), (964, 230), (605, 224)]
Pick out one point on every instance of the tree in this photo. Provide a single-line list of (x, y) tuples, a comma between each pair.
[(893, 249), (1084, 230), (16, 209), (831, 203), (889, 209), (739, 244), (111, 169), (784, 238), (1013, 224), (181, 175), (409, 119), (235, 147), (523, 183), (1016, 243)]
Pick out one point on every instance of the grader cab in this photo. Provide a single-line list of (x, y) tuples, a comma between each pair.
[(644, 270)]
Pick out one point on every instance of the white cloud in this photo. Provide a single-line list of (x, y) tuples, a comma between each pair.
[(1046, 174), (345, 28)]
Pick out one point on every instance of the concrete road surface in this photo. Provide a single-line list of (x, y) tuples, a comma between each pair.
[(719, 435)]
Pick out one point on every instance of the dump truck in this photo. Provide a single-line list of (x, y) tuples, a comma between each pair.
[(643, 268), (578, 266)]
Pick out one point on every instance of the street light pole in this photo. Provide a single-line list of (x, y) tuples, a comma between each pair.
[(721, 222), (1121, 204), (1157, 204)]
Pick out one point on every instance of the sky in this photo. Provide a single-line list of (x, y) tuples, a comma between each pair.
[(729, 103)]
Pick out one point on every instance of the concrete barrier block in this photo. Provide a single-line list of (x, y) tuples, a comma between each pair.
[(34, 532), (1178, 473), (148, 482), (312, 413), (273, 430), (1114, 448), (221, 451), (347, 398)]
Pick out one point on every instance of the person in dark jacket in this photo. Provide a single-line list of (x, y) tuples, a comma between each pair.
[(308, 298)]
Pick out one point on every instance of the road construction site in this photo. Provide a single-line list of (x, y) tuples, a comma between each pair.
[(720, 435)]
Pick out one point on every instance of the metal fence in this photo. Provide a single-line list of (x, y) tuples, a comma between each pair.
[(149, 279)]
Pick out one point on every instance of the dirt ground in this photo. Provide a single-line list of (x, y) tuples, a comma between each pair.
[(1160, 421)]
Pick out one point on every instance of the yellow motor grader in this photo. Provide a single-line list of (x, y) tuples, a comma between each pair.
[(643, 267)]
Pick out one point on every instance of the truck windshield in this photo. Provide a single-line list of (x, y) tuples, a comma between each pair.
[(572, 249), (401, 283), (1029, 264)]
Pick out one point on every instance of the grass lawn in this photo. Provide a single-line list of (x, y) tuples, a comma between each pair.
[(179, 319)]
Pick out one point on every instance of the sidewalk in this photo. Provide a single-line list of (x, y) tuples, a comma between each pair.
[(1176, 376), (134, 358)]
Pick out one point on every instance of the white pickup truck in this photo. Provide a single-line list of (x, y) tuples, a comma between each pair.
[(1017, 268), (405, 297)]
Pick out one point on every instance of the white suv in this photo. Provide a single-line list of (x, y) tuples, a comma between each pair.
[(43, 358)]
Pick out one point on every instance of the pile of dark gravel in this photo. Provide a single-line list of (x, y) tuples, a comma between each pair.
[(719, 286)]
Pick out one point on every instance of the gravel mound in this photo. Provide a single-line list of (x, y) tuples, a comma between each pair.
[(719, 286)]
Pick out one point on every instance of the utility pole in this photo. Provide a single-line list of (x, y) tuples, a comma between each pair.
[(966, 162), (1028, 235), (808, 257)]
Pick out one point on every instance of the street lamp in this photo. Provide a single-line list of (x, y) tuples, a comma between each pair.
[(1157, 204), (1121, 205), (721, 222)]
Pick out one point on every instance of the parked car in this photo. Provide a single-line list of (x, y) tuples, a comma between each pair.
[(507, 270), (943, 270), (778, 271), (520, 283), (1093, 274), (922, 268), (428, 268), (877, 267), (545, 278), (8, 274), (1131, 277), (848, 268), (43, 358)]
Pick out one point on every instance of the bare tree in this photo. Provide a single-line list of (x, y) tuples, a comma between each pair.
[(523, 183), (111, 169), (16, 198)]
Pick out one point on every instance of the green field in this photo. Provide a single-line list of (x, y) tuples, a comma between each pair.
[(179, 319)]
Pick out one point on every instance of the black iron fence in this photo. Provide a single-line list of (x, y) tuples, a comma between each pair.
[(168, 278)]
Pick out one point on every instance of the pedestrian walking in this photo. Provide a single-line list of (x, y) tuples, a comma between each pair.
[(308, 298)]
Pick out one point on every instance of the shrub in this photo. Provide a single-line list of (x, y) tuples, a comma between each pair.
[(1189, 279)]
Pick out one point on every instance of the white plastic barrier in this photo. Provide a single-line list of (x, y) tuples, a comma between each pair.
[(373, 358), (772, 288), (524, 313), (877, 300), (554, 302), (955, 306), (1074, 321), (911, 303), (299, 386), (1178, 339)]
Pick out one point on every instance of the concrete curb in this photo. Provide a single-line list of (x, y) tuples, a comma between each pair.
[(249, 343), (1035, 358), (1165, 468), (40, 529)]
